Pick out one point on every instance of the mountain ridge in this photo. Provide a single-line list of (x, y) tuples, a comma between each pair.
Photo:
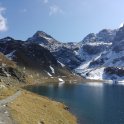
[(95, 53), (107, 63), (34, 61)]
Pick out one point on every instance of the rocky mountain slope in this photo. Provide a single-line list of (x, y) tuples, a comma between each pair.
[(105, 35), (34, 61), (91, 58), (103, 60), (66, 53), (9, 72)]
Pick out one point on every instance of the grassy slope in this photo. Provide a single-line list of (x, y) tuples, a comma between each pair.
[(33, 109), (30, 108), (5, 92)]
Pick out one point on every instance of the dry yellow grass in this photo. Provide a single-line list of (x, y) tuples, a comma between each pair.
[(5, 92), (30, 108), (6, 61)]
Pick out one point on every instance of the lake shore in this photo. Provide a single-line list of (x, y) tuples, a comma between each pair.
[(26, 97), (30, 108)]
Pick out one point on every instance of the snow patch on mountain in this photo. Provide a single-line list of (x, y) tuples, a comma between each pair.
[(49, 74), (121, 25), (47, 38), (99, 43), (61, 64), (10, 55), (60, 79), (103, 63), (97, 74), (52, 69)]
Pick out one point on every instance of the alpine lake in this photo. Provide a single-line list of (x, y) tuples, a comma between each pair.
[(91, 103)]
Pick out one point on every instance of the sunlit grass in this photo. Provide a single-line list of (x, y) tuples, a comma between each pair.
[(5, 92), (33, 109)]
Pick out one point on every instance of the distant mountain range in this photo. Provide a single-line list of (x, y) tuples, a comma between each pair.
[(103, 55), (98, 56)]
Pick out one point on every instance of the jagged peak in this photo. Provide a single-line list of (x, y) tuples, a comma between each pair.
[(105, 35), (106, 30), (7, 39), (42, 34), (43, 38), (89, 37)]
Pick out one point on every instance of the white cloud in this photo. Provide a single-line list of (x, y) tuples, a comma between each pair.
[(45, 1), (55, 10), (3, 20)]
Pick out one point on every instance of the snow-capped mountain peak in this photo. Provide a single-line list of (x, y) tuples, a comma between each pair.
[(42, 34), (6, 39), (105, 35), (121, 25), (104, 56), (42, 38)]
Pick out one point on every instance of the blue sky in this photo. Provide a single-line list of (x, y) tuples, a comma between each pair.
[(65, 20)]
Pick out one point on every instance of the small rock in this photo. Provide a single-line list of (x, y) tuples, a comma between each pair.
[(66, 107), (6, 112), (44, 106), (4, 105), (41, 122)]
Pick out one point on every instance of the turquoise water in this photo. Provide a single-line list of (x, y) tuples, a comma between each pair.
[(91, 103)]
